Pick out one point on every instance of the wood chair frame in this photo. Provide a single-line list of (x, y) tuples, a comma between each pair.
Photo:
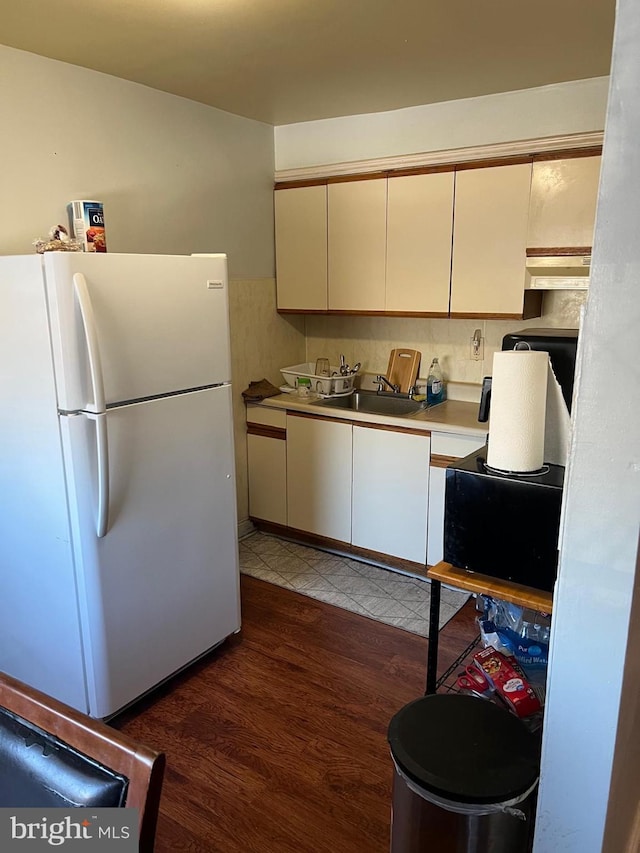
[(143, 767)]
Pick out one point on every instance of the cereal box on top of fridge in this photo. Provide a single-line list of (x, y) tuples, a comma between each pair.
[(86, 219)]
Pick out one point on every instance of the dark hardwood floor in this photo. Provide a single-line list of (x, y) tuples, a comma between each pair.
[(276, 742)]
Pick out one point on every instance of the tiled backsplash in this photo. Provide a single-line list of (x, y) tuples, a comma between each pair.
[(371, 339)]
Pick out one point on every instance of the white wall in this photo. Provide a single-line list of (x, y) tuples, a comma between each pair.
[(557, 110), (175, 176), (599, 545)]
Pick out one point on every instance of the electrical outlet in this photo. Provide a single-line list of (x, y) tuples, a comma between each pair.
[(476, 349)]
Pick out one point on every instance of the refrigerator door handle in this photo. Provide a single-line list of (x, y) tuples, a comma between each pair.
[(91, 337), (102, 456)]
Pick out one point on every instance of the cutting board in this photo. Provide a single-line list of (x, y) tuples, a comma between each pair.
[(403, 368)]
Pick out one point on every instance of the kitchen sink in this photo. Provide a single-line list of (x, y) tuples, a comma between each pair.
[(373, 403)]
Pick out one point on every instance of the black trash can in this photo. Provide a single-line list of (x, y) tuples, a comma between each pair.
[(466, 775)]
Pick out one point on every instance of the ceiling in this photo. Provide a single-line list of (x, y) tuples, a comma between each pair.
[(285, 61)]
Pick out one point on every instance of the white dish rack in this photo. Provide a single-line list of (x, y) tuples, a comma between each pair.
[(325, 386)]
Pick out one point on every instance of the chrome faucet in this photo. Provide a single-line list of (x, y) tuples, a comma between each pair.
[(382, 381)]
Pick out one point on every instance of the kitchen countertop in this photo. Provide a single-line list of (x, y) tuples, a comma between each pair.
[(450, 416)]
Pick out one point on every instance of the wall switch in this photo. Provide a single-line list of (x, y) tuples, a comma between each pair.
[(476, 349)]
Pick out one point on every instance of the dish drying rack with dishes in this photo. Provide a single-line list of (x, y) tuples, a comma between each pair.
[(326, 380)]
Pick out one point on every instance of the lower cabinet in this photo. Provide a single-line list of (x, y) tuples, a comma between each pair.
[(319, 476), (267, 464), (390, 491), (435, 521), (370, 486), (445, 448)]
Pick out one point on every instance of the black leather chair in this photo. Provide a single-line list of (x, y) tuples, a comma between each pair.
[(54, 756)]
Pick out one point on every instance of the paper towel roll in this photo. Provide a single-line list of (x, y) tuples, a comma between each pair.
[(518, 409), (557, 430)]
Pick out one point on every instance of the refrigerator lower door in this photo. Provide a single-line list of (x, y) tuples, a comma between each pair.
[(161, 586)]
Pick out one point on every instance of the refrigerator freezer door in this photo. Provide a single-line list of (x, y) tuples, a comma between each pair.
[(162, 586), (159, 322)]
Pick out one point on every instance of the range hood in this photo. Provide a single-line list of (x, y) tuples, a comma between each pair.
[(558, 272)]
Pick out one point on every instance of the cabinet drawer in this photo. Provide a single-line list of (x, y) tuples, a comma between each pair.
[(453, 444), (266, 417)]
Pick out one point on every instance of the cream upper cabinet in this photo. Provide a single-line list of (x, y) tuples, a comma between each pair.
[(357, 244), (419, 223), (489, 240), (562, 211), (443, 243), (301, 248)]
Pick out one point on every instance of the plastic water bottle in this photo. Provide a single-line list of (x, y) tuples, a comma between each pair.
[(435, 384)]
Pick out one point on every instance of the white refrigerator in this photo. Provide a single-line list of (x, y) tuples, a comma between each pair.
[(118, 528)]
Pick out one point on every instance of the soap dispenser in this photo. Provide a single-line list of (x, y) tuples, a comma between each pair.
[(435, 384)]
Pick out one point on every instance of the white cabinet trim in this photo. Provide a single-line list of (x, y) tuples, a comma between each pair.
[(450, 155)]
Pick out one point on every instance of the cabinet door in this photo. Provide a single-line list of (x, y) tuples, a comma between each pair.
[(419, 225), (319, 476), (267, 464), (435, 548), (562, 210), (301, 248), (444, 448), (489, 241), (390, 492), (357, 245)]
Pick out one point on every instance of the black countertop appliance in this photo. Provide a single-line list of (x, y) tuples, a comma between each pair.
[(561, 344), (507, 525), (503, 525)]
